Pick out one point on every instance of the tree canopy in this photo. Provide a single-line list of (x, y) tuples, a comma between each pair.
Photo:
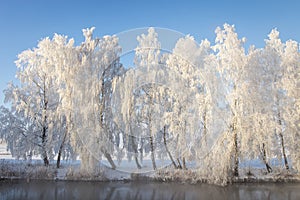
[(213, 104)]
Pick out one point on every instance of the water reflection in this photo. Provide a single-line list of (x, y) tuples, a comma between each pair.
[(143, 190)]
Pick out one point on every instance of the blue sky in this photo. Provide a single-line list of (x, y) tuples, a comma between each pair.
[(24, 23)]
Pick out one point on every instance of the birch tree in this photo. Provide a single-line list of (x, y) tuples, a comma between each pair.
[(147, 60), (291, 84), (231, 61), (274, 50), (16, 130), (98, 64), (258, 123), (63, 56), (37, 95)]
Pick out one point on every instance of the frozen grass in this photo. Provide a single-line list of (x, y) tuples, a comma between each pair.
[(9, 169), (177, 175), (279, 174), (75, 173), (247, 175), (14, 169)]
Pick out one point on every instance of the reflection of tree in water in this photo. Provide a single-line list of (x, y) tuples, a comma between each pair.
[(143, 190)]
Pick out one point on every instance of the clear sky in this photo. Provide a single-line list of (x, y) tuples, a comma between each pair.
[(23, 23)]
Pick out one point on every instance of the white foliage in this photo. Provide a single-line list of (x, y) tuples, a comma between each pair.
[(214, 105)]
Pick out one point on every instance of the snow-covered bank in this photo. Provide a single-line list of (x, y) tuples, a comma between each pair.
[(12, 169)]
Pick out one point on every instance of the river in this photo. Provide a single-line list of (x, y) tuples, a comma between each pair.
[(144, 190)]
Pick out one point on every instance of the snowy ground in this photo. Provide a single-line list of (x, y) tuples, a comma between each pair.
[(127, 171), (4, 154)]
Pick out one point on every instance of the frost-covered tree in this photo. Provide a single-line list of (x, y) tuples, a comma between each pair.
[(123, 110), (258, 123), (98, 65), (147, 53), (291, 84), (147, 61), (64, 58), (274, 49), (53, 68), (187, 62), (231, 61), (16, 130), (155, 106), (142, 99), (37, 96)]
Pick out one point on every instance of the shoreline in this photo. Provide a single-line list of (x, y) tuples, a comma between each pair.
[(154, 178), (12, 171), (147, 180)]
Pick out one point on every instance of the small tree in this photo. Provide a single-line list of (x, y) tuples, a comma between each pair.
[(16, 130), (37, 95)]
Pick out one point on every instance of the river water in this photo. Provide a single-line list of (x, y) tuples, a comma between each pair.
[(144, 190)]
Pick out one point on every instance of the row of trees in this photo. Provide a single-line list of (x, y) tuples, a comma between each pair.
[(217, 105)]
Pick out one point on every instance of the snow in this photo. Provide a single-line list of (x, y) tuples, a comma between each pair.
[(126, 171), (4, 154), (250, 171)]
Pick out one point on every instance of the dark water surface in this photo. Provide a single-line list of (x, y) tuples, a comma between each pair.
[(144, 190)]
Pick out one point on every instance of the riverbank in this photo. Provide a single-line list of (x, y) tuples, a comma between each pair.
[(20, 170)]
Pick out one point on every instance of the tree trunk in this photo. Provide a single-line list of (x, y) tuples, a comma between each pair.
[(282, 143), (137, 162), (167, 149), (110, 160), (132, 142), (151, 141), (179, 164), (236, 155), (236, 158), (135, 152), (45, 127), (46, 160), (152, 152), (102, 110), (283, 152), (235, 138), (281, 135), (204, 118), (44, 138), (268, 167), (61, 148), (141, 150), (59, 157), (184, 163), (102, 101)]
